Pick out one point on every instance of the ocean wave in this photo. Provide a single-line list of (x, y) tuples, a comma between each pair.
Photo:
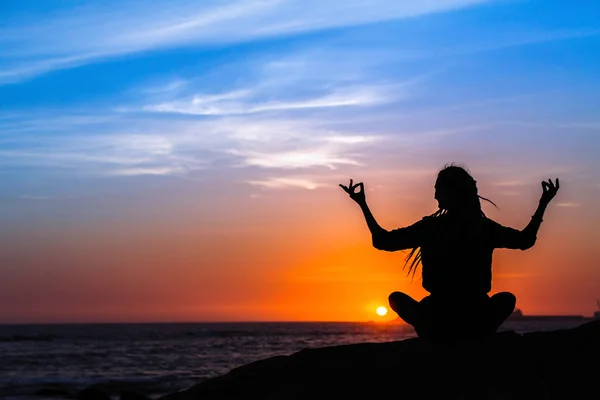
[(184, 331), (53, 388), (30, 338)]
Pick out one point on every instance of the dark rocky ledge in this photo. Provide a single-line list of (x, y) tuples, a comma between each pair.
[(562, 364)]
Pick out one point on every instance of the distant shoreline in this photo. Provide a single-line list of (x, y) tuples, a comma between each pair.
[(518, 315), (549, 318)]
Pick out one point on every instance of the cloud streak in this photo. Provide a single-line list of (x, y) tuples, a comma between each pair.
[(241, 102), (286, 182), (107, 154), (274, 119), (181, 147), (309, 158), (568, 205), (69, 38)]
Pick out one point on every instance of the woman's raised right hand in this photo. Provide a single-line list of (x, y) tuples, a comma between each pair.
[(359, 196)]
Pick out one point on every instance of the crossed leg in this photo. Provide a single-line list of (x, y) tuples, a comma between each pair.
[(502, 305), (428, 314), (405, 306), (419, 314)]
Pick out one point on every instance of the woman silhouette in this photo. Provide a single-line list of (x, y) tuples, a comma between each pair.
[(454, 246)]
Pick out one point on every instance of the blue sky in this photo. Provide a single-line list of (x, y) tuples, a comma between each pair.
[(288, 94), (282, 94), (124, 112), (108, 78)]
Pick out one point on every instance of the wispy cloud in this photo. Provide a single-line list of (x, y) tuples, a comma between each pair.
[(298, 81), (53, 157), (569, 205), (290, 144), (275, 119), (72, 37), (181, 147), (294, 159), (106, 154), (511, 183), (286, 182), (17, 70), (351, 139), (511, 194), (280, 118), (148, 171), (245, 102)]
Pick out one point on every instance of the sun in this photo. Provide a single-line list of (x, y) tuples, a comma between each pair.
[(381, 311)]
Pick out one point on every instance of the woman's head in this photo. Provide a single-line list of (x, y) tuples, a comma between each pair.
[(455, 189)]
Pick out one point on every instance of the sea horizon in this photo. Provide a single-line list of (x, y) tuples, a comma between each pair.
[(371, 321), (150, 322)]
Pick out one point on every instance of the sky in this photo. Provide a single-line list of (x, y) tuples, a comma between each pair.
[(180, 161)]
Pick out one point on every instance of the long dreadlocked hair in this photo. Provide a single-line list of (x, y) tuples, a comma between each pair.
[(458, 180)]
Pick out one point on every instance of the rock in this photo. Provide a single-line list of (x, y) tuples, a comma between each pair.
[(54, 390), (92, 393), (539, 365), (110, 391), (130, 395)]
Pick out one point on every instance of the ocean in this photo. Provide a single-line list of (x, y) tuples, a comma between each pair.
[(52, 362)]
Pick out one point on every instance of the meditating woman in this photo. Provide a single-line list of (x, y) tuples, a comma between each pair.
[(454, 246)]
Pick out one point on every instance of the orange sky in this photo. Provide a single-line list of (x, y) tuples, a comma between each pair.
[(292, 255)]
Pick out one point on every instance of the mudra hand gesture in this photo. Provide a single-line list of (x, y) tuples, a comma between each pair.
[(549, 191), (359, 196)]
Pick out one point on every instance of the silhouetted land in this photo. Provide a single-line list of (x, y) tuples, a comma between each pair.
[(559, 364), (518, 315)]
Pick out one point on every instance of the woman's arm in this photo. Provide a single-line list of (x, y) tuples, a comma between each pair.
[(397, 239), (360, 199), (526, 238), (530, 231)]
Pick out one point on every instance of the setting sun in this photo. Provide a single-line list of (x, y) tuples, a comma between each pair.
[(381, 311)]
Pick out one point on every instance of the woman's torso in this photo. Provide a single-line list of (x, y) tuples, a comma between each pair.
[(456, 256)]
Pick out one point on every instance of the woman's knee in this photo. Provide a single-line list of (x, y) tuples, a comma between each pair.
[(507, 299), (405, 306), (398, 300), (399, 297)]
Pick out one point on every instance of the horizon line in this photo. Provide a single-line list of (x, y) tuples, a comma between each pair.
[(199, 322)]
